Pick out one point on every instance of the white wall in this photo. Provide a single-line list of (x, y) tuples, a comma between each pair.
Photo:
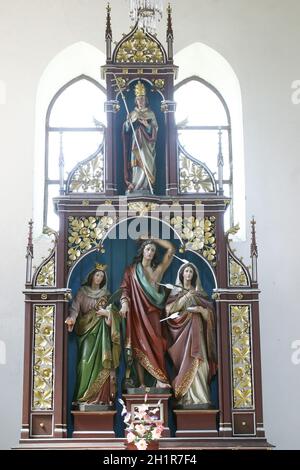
[(260, 40)]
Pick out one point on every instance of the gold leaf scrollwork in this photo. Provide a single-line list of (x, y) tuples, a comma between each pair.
[(86, 233), (198, 235), (89, 176), (237, 275), (139, 48), (193, 177), (43, 357), (46, 276), (241, 356)]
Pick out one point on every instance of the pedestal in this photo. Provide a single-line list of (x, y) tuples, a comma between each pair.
[(154, 445), (93, 423), (134, 397), (196, 423)]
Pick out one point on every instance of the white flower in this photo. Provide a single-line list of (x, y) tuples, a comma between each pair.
[(156, 433), (154, 411), (130, 437), (143, 408), (141, 444), (139, 414), (140, 429)]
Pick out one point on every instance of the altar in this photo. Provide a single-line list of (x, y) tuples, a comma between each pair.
[(177, 326)]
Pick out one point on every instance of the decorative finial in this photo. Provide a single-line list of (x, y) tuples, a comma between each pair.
[(170, 34), (29, 254), (108, 33), (30, 225), (254, 251), (169, 23), (140, 89)]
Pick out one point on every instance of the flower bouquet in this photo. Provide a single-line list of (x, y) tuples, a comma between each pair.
[(142, 425)]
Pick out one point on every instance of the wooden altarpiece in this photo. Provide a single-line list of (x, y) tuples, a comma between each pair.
[(237, 420)]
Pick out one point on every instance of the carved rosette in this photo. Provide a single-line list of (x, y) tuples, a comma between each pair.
[(241, 360), (141, 208), (86, 233), (43, 357), (89, 176), (46, 275), (140, 48), (198, 235)]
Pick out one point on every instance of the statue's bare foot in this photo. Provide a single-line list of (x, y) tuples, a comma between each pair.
[(130, 187)]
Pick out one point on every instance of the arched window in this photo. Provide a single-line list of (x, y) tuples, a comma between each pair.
[(206, 72), (75, 130), (204, 127)]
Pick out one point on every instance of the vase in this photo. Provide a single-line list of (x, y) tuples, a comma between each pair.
[(153, 445)]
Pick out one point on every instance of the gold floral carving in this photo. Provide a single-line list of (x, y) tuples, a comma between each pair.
[(241, 356), (89, 176), (237, 275), (141, 208), (159, 83), (46, 276), (140, 48), (193, 177), (121, 83), (43, 357), (198, 235), (86, 233)]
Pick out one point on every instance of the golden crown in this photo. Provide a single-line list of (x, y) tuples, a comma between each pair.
[(140, 89), (100, 267)]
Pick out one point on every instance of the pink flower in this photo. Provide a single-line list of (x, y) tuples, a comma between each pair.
[(143, 408), (140, 415), (141, 444), (130, 437), (159, 427), (140, 429), (156, 433)]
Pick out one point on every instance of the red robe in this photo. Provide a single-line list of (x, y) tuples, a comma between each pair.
[(143, 331)]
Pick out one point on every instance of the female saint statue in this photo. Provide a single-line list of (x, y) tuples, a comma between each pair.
[(192, 341), (97, 326)]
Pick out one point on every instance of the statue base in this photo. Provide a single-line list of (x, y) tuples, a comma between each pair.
[(193, 421), (91, 424), (92, 407), (138, 192), (133, 400), (147, 390)]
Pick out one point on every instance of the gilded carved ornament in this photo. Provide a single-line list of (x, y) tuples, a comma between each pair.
[(241, 356), (86, 233), (193, 177), (198, 235), (43, 358), (140, 48), (89, 176)]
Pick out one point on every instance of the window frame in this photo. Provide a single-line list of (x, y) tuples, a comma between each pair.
[(47, 181)]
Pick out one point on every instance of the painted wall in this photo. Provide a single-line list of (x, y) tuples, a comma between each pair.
[(260, 40)]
